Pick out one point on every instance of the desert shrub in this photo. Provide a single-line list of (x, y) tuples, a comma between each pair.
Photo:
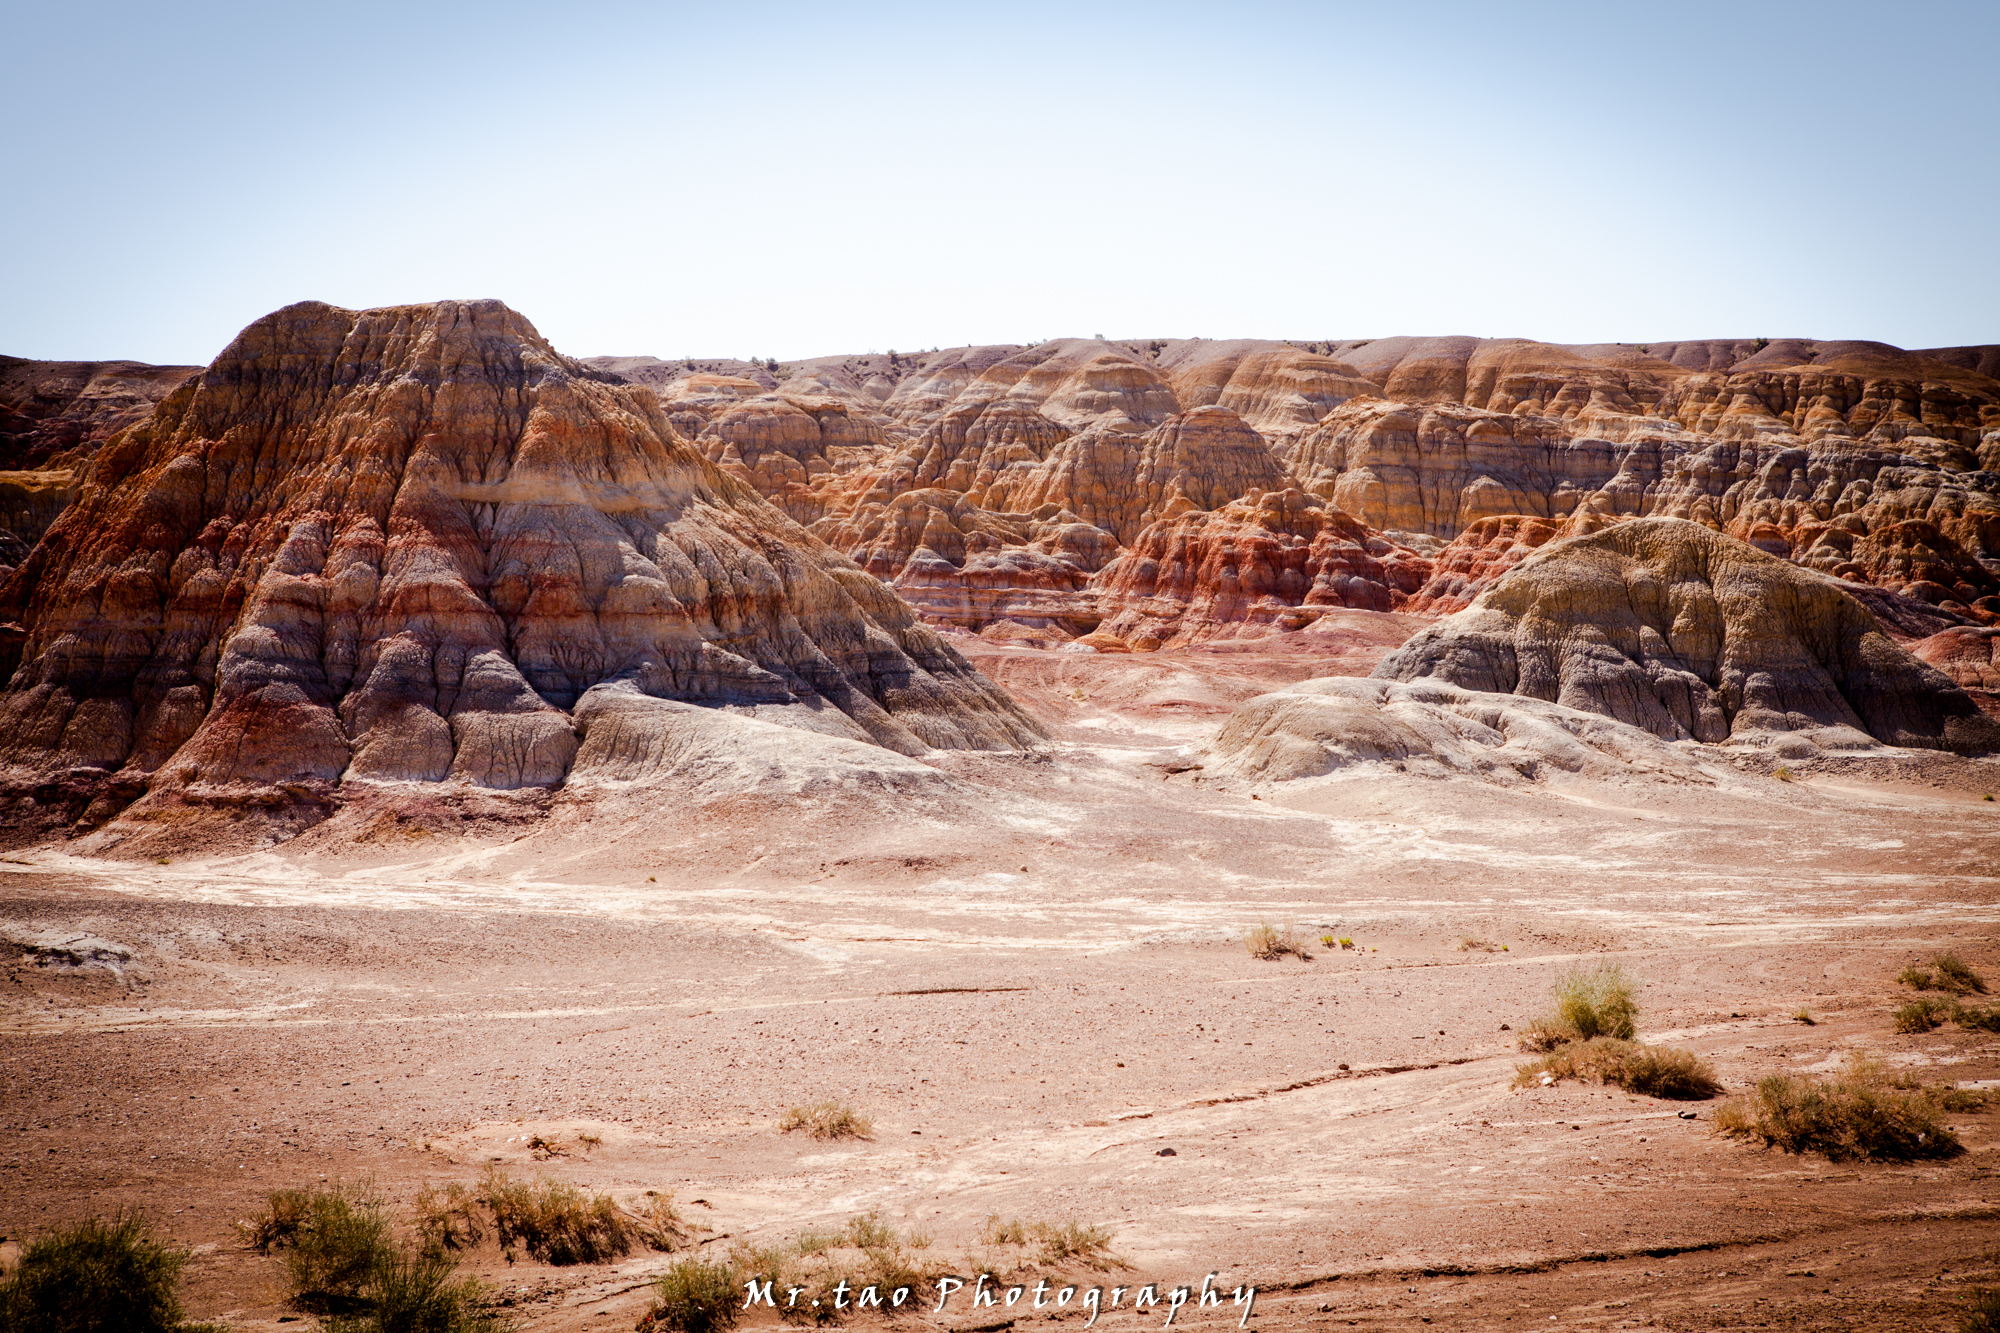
[(418, 1293), (1946, 972), (694, 1297), (660, 1224), (1976, 1019), (1805, 1016), (1074, 1243), (1472, 944), (1921, 1014), (1268, 942), (1982, 1305), (555, 1221), (1056, 1243), (1862, 1112), (827, 1120), (448, 1218), (332, 1240), (94, 1276), (1597, 1002), (1652, 1071), (865, 1252), (1956, 976)]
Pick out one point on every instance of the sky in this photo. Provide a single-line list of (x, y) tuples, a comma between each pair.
[(785, 180)]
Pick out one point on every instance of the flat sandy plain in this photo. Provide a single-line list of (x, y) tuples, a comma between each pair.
[(1034, 981)]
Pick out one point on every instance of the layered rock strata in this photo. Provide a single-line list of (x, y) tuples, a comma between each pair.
[(1689, 634), (418, 544), (1276, 559)]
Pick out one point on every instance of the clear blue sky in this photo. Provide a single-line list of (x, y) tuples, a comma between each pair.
[(789, 180)]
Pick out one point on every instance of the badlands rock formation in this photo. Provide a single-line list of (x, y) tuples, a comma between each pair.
[(53, 416), (1272, 559), (961, 476), (417, 544), (1690, 634)]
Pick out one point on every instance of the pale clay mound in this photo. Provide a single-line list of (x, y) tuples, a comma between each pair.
[(1355, 728), (1689, 634)]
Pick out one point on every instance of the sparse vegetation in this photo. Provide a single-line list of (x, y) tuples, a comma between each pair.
[(1326, 941), (447, 1218), (418, 1293), (1946, 972), (1589, 1002), (1783, 774), (1472, 944), (866, 1252), (1861, 1112), (1652, 1071), (694, 1297), (660, 1224), (1922, 1014), (827, 1120), (555, 1221), (1804, 1015), (1975, 1019), (333, 1240), (1346, 943), (95, 1276), (1270, 943)]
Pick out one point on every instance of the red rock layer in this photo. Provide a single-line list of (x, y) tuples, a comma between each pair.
[(1277, 559), (406, 544)]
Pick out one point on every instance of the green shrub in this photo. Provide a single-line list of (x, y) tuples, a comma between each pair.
[(555, 1221), (418, 1294), (1947, 972), (1921, 1014), (1653, 1071), (1976, 1019), (695, 1297), (1862, 1112), (1956, 976), (1589, 1002), (827, 1120), (332, 1240), (95, 1276)]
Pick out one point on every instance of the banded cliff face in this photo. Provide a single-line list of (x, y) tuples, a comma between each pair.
[(1879, 466), (417, 544)]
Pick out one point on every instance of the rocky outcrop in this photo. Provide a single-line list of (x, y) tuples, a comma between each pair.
[(1969, 656), (405, 545), (54, 414), (1689, 634), (1272, 560)]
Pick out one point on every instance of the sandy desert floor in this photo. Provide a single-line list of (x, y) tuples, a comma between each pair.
[(1035, 984)]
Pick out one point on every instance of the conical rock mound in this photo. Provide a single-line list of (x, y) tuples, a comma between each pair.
[(417, 543), (1690, 634)]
